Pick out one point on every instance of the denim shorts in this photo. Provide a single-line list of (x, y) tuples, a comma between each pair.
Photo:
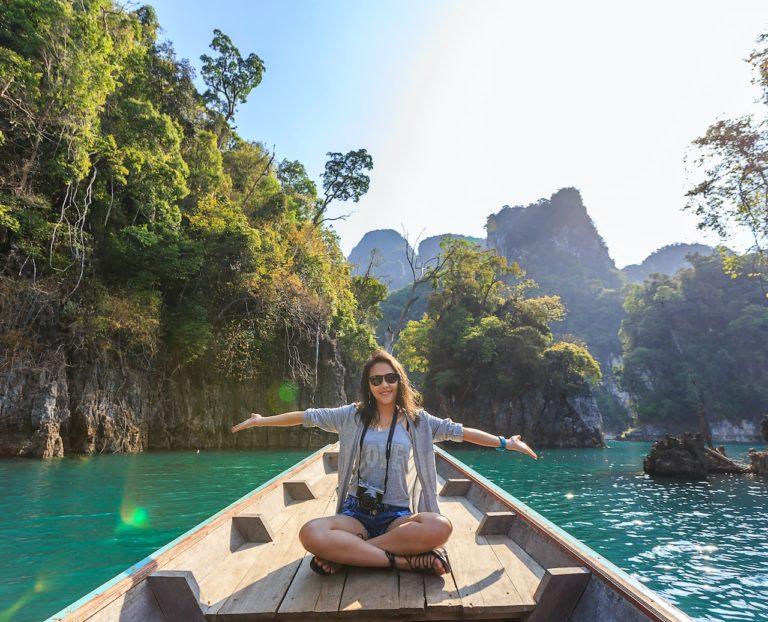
[(375, 524)]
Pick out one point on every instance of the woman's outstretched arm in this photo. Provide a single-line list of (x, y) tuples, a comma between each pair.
[(478, 437), (257, 421)]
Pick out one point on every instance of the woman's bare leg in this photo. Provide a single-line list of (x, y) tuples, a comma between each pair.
[(340, 539), (416, 533)]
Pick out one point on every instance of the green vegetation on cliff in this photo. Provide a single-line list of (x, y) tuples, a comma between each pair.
[(696, 340), (484, 338), (153, 228)]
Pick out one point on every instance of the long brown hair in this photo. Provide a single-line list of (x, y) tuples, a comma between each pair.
[(407, 401)]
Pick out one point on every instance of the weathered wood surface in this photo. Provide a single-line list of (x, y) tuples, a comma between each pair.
[(482, 581), (249, 564)]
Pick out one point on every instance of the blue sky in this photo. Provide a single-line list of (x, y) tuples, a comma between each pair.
[(468, 106)]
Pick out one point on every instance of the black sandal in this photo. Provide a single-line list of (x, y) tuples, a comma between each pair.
[(424, 562), (319, 569), (391, 558)]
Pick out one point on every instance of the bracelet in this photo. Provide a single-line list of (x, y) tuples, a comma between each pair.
[(503, 445)]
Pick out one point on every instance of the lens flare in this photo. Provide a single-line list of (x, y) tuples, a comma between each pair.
[(7, 615), (41, 585), (288, 392), (132, 516)]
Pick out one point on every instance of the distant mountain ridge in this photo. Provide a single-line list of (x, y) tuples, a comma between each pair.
[(666, 260), (386, 248), (558, 228), (557, 244)]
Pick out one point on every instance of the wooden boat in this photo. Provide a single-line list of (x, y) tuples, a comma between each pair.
[(246, 563)]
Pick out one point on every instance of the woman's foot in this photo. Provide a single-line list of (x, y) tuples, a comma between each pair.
[(329, 567), (434, 562)]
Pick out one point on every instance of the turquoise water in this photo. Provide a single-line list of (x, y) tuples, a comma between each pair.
[(69, 525), (703, 545)]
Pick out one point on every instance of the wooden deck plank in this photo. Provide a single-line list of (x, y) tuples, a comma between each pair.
[(482, 582), (218, 584), (411, 593), (521, 568), (263, 587), (370, 591), (311, 593)]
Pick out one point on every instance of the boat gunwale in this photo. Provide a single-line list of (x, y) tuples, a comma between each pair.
[(629, 588), (98, 598)]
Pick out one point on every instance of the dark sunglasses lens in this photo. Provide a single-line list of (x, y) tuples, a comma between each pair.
[(390, 378)]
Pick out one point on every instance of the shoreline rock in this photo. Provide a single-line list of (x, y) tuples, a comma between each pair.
[(722, 432)]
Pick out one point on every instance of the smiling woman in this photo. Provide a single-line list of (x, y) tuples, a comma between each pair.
[(375, 524)]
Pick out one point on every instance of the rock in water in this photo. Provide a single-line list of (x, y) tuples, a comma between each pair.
[(677, 456), (686, 456)]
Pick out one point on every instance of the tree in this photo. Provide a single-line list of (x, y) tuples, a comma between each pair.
[(695, 347), (734, 191), (483, 336), (421, 274), (344, 179), (229, 76)]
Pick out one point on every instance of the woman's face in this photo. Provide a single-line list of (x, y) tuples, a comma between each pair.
[(385, 393)]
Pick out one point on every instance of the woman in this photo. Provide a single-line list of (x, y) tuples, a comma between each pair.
[(374, 525)]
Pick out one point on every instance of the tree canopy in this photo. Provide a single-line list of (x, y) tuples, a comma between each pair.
[(155, 230)]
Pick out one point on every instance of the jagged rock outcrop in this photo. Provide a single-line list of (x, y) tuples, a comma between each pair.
[(759, 459), (385, 251), (34, 406), (557, 244), (686, 456), (569, 422)]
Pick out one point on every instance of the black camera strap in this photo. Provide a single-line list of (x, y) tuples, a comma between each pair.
[(389, 448)]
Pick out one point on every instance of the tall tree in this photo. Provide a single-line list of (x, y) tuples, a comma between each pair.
[(344, 179), (229, 76), (733, 155)]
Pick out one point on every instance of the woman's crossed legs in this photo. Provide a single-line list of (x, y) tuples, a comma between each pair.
[(344, 540)]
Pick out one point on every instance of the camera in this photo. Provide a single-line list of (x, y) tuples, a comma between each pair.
[(369, 497)]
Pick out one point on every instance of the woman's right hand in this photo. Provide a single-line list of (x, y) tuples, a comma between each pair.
[(244, 425)]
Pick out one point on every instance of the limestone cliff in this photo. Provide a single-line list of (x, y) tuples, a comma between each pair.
[(70, 404), (565, 422)]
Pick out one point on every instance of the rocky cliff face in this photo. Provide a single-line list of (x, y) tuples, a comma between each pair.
[(63, 405), (569, 422), (34, 406), (386, 249)]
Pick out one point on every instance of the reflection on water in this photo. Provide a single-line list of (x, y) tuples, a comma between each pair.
[(702, 544)]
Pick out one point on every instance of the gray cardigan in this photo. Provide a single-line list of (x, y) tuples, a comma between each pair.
[(427, 430)]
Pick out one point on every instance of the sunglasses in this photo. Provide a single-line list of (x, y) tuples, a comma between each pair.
[(390, 378)]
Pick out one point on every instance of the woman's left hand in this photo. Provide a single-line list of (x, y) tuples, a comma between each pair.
[(515, 444)]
